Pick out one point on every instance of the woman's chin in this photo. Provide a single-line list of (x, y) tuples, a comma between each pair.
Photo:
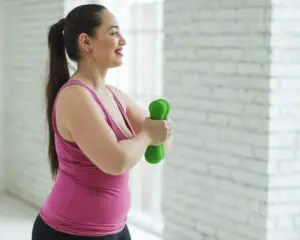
[(118, 63)]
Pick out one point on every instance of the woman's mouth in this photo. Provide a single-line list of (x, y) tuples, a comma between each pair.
[(119, 52)]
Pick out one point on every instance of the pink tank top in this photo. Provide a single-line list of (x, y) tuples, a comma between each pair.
[(84, 200)]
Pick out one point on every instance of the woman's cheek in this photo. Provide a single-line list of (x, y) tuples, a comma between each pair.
[(112, 43)]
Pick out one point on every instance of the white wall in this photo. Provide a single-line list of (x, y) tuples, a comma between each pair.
[(234, 170), (2, 167), (284, 144), (217, 78), (26, 65)]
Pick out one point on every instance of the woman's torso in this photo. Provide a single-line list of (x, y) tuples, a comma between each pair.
[(84, 200)]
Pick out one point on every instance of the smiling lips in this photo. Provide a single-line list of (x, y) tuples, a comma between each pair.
[(119, 52)]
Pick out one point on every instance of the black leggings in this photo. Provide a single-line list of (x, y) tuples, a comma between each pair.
[(41, 231)]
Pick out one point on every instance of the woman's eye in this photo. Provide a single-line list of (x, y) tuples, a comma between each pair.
[(114, 33)]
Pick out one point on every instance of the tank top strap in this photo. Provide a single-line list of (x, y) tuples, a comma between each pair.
[(95, 96), (77, 82), (117, 100), (123, 112)]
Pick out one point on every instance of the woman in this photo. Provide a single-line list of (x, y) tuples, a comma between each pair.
[(97, 133)]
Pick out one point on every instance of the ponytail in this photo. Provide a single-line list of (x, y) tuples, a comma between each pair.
[(62, 39), (58, 76)]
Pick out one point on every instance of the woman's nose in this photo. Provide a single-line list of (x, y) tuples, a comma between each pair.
[(122, 41)]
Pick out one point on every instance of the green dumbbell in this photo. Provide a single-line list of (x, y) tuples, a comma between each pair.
[(159, 110)]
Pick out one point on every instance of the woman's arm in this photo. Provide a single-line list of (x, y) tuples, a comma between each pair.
[(80, 114), (137, 115)]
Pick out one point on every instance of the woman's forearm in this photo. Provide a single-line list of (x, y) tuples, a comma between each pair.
[(133, 150)]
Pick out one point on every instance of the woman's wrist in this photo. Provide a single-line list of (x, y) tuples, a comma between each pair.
[(144, 136)]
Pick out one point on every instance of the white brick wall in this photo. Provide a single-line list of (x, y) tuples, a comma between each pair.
[(217, 70), (2, 170), (284, 158), (25, 65), (234, 169)]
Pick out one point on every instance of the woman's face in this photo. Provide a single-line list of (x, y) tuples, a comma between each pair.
[(106, 46)]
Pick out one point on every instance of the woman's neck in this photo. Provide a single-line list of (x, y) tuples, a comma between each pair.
[(92, 76)]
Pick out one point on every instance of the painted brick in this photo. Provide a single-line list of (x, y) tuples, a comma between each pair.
[(244, 86), (25, 68)]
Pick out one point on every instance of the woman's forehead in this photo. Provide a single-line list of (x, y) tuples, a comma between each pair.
[(109, 19)]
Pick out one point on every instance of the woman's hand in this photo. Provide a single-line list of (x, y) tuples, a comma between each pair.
[(157, 130)]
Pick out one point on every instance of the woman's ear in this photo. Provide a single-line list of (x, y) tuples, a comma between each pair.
[(84, 42)]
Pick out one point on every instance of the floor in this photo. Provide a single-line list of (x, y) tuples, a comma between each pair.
[(16, 220)]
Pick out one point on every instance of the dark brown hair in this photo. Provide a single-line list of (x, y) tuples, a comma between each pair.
[(62, 38)]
